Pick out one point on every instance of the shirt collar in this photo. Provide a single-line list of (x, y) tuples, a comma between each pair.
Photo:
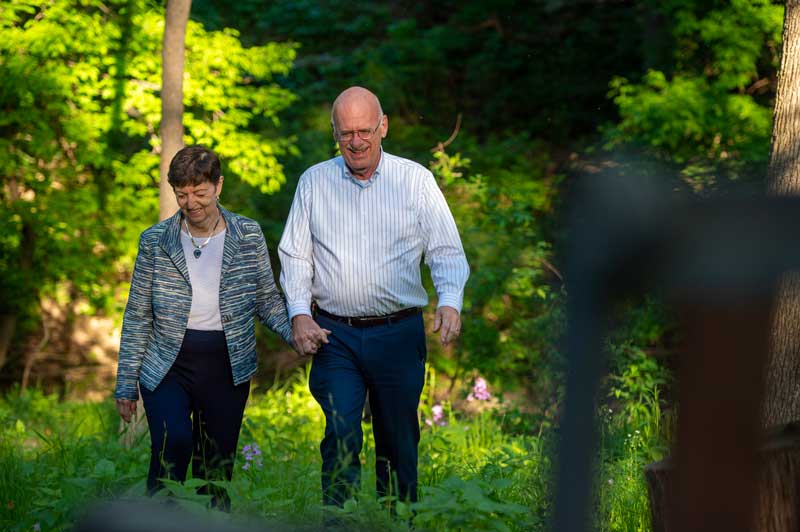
[(364, 184)]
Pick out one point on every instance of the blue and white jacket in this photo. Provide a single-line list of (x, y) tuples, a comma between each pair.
[(160, 298)]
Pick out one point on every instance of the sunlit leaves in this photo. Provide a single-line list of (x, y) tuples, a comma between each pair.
[(688, 116), (79, 132), (708, 108)]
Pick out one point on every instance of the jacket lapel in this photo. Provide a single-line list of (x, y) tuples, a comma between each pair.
[(171, 244), (232, 240)]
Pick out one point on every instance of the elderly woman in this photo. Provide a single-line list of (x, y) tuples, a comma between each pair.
[(188, 335)]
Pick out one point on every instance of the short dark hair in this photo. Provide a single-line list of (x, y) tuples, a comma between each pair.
[(193, 165)]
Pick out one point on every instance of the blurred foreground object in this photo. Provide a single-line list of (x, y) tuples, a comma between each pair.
[(154, 516), (718, 262)]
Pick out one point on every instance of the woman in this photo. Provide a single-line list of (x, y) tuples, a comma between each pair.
[(188, 334)]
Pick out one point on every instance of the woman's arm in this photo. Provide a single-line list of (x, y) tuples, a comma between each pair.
[(270, 306), (137, 323)]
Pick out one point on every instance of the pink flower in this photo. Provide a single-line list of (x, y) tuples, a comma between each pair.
[(480, 392), (438, 416)]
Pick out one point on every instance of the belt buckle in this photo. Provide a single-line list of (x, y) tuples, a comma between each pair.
[(349, 321)]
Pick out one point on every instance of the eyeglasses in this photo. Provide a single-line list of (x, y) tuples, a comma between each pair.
[(363, 134)]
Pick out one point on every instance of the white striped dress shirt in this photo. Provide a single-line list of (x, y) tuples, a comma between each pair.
[(355, 246)]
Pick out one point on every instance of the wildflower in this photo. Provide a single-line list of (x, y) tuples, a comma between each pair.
[(36, 527), (251, 456), (611, 482), (480, 392), (438, 416)]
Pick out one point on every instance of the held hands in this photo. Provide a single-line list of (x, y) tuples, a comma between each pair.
[(307, 335), (448, 320), (126, 409)]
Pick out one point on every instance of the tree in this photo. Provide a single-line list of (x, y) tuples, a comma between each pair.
[(782, 401), (80, 92), (172, 97)]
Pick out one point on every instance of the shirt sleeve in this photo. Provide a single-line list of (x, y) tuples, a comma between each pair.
[(137, 324), (444, 253), (295, 252)]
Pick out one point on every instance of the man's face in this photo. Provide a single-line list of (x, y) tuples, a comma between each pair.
[(359, 129)]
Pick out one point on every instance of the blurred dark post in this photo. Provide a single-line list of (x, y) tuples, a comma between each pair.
[(718, 262)]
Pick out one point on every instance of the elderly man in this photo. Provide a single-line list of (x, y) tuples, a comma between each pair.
[(350, 255)]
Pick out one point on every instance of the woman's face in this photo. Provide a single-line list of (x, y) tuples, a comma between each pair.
[(199, 202)]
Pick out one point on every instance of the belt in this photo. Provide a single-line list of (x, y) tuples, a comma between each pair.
[(370, 321)]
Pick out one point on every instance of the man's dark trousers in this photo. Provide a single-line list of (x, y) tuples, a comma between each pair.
[(388, 363)]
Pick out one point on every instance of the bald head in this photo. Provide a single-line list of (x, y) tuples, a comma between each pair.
[(359, 125), (355, 97)]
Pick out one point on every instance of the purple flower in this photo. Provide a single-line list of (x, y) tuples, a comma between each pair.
[(36, 527), (480, 392), (251, 454), (438, 416)]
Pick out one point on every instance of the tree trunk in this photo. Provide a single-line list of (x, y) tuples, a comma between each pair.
[(782, 398), (172, 97), (8, 324), (777, 494), (9, 320), (177, 17), (779, 489)]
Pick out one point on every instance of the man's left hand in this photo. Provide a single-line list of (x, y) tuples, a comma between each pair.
[(448, 320)]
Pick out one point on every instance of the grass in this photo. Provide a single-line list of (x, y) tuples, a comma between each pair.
[(56, 458)]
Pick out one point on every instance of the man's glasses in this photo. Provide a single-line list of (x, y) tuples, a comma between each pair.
[(363, 134)]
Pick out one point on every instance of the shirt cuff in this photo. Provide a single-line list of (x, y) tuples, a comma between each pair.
[(295, 309), (451, 300)]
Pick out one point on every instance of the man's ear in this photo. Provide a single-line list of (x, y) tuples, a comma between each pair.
[(385, 126)]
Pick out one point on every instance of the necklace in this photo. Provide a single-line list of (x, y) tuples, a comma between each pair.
[(199, 247)]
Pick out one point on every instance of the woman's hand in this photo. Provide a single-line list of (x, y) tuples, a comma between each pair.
[(126, 409), (308, 336)]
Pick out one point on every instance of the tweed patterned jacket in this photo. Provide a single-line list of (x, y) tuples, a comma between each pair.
[(160, 298)]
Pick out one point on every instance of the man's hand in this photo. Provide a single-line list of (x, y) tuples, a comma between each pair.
[(449, 321), (126, 409), (307, 335)]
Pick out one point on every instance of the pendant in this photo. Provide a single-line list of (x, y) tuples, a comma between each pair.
[(197, 253)]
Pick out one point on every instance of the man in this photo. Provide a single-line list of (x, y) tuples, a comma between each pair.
[(350, 255)]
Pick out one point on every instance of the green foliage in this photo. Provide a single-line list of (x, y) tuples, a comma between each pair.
[(513, 302), (711, 106), (444, 506), (57, 457), (79, 142), (688, 117), (633, 433)]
